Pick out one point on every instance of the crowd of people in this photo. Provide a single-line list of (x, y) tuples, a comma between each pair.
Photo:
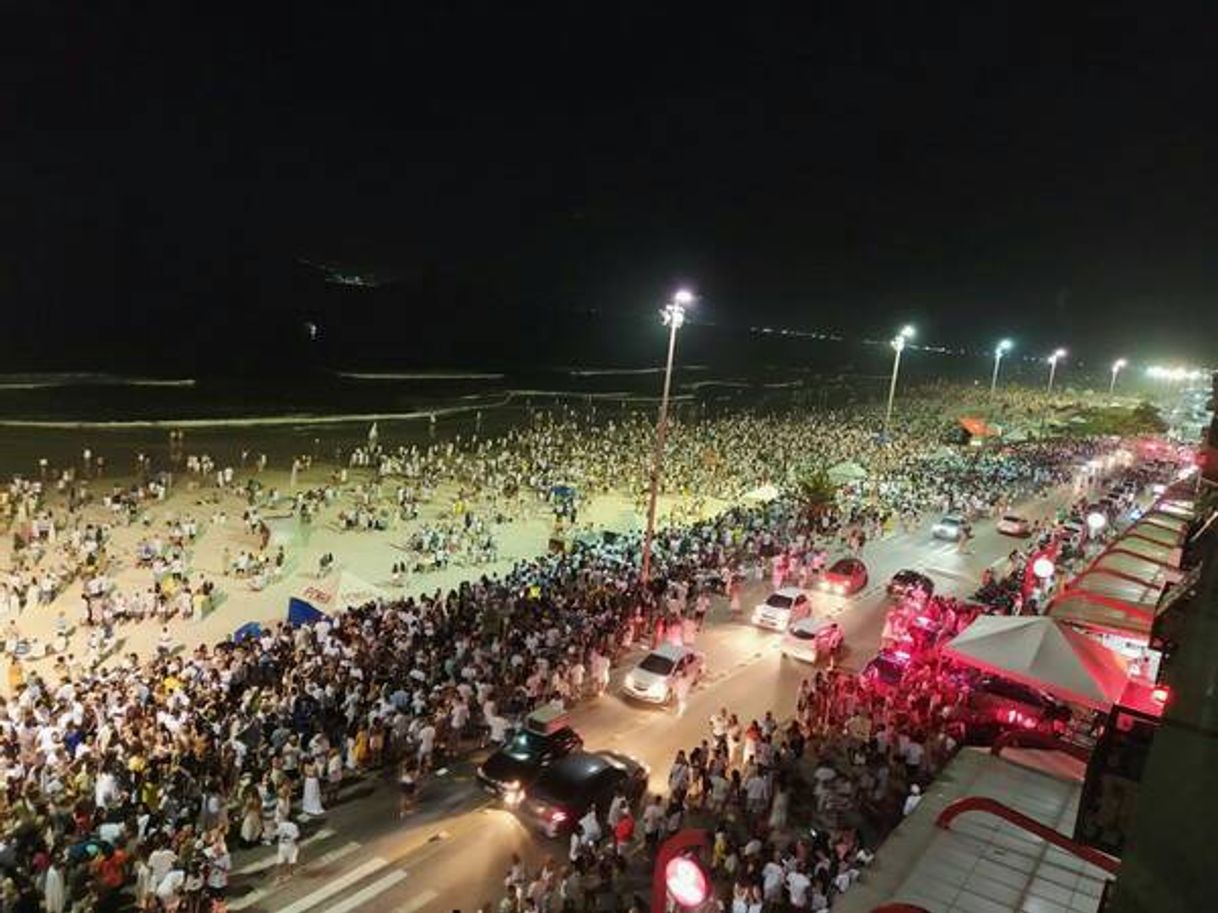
[(140, 774)]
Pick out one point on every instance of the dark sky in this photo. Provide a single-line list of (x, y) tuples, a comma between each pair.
[(1046, 172)]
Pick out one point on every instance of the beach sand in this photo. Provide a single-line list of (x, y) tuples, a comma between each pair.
[(368, 554)]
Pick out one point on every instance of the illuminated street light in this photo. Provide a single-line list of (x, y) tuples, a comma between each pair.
[(1116, 369), (1053, 359), (673, 316), (999, 350), (1096, 521), (898, 346), (686, 882)]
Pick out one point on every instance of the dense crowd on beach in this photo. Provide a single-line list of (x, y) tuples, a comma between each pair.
[(139, 775)]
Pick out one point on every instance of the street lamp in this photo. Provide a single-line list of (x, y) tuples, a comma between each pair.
[(673, 316), (1053, 366), (999, 350), (898, 346), (1116, 369)]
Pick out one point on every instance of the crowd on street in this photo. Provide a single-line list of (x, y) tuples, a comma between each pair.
[(139, 776)]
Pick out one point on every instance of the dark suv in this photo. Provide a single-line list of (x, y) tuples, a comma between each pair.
[(514, 766), (904, 583), (564, 791)]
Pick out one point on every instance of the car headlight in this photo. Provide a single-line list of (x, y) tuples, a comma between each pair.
[(658, 689)]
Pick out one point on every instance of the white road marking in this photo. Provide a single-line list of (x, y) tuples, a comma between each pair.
[(955, 575), (266, 862), (359, 898), (248, 900), (416, 902), (337, 886)]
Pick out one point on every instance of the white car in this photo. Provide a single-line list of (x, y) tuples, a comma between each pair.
[(810, 639), (652, 680), (950, 527), (1012, 525), (781, 608)]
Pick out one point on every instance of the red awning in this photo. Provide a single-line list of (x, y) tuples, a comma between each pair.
[(977, 427)]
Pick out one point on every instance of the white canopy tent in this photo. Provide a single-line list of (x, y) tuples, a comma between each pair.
[(1044, 653), (846, 472), (338, 592)]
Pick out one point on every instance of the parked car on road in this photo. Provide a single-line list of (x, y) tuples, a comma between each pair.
[(845, 577), (781, 608), (565, 791), (949, 527), (812, 639), (908, 581), (652, 680), (546, 736), (1014, 525)]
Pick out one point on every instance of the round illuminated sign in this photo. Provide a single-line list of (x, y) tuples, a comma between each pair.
[(1042, 568), (686, 881), (1096, 521)]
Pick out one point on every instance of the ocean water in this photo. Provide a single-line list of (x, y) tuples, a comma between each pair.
[(56, 416)]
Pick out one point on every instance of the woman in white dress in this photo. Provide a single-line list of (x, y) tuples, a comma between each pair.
[(311, 803), (53, 898)]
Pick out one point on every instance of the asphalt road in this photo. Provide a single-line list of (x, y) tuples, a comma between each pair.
[(453, 852)]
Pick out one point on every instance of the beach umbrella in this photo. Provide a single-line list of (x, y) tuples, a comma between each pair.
[(847, 472), (250, 629)]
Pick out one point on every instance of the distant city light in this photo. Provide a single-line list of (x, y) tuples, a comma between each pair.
[(1159, 372)]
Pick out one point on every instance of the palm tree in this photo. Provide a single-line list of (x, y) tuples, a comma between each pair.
[(816, 491)]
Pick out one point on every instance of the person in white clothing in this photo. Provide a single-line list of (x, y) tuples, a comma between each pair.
[(287, 833), (797, 889)]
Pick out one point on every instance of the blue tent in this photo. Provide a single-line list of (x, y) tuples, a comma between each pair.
[(250, 629), (301, 613)]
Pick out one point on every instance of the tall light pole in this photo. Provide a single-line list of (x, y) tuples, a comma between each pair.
[(999, 350), (673, 316), (898, 346), (1116, 369), (1053, 366)]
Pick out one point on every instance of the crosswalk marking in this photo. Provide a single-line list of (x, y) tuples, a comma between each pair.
[(362, 896), (248, 900), (266, 862), (417, 902), (337, 886)]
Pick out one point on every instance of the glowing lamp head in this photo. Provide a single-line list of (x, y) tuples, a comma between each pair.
[(1003, 347), (1057, 353), (1043, 568), (907, 332), (1118, 364), (1096, 521), (683, 297), (686, 882)]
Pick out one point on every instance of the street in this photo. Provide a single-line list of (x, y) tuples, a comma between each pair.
[(454, 850)]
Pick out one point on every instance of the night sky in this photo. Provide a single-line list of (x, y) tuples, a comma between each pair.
[(981, 171)]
